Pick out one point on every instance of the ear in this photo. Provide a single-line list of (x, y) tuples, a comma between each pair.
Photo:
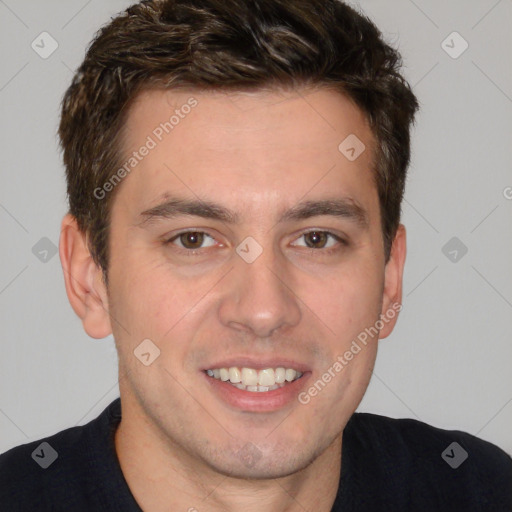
[(86, 290), (393, 275)]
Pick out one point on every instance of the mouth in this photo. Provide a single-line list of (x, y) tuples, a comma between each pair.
[(265, 388), (253, 380)]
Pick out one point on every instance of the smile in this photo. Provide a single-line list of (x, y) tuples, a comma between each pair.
[(258, 381)]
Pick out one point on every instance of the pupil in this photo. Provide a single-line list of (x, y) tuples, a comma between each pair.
[(192, 239), (316, 238)]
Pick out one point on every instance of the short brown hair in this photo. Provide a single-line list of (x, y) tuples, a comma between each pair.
[(231, 45)]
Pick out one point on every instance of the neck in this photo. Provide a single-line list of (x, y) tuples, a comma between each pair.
[(162, 477)]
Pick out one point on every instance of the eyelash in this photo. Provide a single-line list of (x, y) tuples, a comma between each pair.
[(195, 252)]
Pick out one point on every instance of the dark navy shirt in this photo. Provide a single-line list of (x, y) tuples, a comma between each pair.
[(387, 465)]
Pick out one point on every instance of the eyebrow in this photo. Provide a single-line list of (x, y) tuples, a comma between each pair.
[(345, 208)]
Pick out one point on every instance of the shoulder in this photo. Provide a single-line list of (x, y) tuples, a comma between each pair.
[(433, 465), (29, 473), (420, 439), (59, 469)]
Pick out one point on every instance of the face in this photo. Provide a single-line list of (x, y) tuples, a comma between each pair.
[(248, 249)]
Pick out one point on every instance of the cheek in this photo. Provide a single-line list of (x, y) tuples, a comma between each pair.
[(348, 301), (143, 298), (150, 299)]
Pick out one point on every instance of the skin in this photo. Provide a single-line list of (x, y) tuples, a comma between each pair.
[(180, 446)]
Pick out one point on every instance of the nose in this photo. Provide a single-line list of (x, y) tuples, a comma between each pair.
[(258, 297)]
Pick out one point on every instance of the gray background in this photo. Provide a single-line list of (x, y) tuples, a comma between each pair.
[(448, 361)]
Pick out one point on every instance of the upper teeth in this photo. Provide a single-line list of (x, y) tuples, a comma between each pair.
[(252, 377)]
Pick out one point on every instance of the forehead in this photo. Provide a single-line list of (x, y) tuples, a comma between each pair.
[(259, 147)]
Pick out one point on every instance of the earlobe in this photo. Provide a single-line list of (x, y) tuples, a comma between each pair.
[(85, 287), (392, 296)]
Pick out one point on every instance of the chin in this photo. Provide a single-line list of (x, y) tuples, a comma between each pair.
[(251, 463)]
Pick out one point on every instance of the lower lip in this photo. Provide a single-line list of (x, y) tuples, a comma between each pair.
[(256, 401)]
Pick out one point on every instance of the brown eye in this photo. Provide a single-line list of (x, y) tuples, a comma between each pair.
[(316, 239), (191, 240)]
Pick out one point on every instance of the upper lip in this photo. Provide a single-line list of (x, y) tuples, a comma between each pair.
[(258, 364)]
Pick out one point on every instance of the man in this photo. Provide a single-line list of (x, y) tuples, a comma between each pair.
[(235, 172)]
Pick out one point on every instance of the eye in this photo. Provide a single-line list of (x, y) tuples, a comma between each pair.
[(317, 239), (192, 240)]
